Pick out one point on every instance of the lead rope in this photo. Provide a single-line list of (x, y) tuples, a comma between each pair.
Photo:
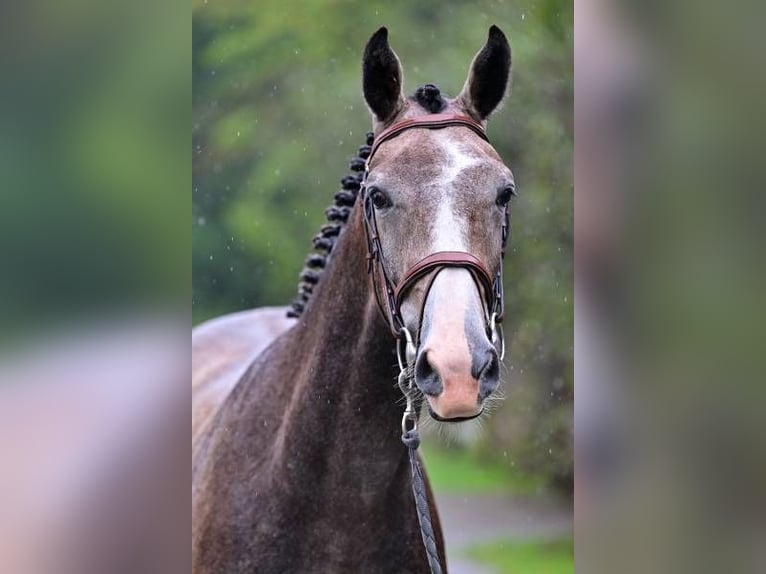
[(411, 439)]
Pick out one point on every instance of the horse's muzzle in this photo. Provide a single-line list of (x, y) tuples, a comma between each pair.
[(456, 391)]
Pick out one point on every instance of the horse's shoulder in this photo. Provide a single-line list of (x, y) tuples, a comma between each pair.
[(222, 349)]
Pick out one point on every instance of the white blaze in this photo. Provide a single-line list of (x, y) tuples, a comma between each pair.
[(453, 292), (448, 229)]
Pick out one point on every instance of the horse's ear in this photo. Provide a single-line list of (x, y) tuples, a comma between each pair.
[(488, 77), (382, 77)]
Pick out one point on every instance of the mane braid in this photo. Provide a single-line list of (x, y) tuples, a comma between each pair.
[(430, 98), (337, 215)]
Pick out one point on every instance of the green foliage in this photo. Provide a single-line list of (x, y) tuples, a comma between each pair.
[(533, 557), (278, 112)]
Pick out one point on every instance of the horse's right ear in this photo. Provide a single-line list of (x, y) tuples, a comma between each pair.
[(382, 77)]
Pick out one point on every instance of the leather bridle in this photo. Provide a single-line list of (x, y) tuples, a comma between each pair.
[(490, 287)]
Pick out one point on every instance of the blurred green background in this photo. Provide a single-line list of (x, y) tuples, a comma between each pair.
[(278, 112), (94, 166)]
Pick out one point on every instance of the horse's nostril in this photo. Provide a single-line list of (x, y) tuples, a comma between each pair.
[(489, 376), (426, 377)]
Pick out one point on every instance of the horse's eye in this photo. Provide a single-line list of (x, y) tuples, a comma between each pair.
[(379, 198), (504, 195)]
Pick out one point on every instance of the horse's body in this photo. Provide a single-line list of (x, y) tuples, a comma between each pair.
[(222, 349), (298, 464)]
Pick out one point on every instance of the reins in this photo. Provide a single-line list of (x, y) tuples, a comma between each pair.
[(490, 287)]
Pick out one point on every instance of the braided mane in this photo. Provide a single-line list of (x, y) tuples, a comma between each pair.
[(430, 98), (324, 241)]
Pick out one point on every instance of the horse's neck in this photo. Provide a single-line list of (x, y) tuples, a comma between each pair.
[(345, 401), (308, 445)]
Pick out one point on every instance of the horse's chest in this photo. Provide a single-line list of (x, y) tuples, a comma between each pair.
[(341, 532)]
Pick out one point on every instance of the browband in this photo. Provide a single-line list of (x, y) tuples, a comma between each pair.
[(433, 122)]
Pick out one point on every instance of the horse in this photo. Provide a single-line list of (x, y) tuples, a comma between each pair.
[(297, 460)]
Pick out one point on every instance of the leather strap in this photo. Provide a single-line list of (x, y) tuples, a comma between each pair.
[(433, 122), (445, 259)]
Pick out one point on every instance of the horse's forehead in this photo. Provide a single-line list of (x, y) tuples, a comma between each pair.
[(435, 158)]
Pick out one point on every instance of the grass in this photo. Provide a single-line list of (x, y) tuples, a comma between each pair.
[(460, 471), (533, 557)]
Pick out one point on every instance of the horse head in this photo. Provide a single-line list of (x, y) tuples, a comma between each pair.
[(437, 202)]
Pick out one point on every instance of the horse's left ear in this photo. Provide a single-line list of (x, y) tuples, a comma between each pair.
[(488, 78)]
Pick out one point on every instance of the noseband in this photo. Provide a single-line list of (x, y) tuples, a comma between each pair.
[(491, 287)]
